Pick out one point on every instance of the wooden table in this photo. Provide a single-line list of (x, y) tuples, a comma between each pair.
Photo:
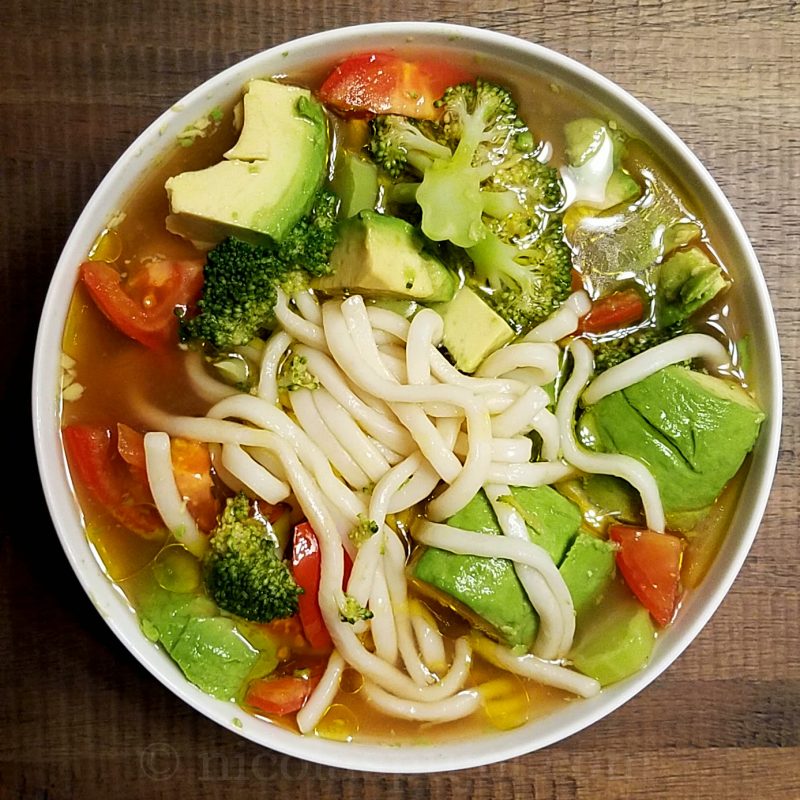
[(79, 718)]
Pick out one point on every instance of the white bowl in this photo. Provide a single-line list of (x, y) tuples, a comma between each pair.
[(328, 47)]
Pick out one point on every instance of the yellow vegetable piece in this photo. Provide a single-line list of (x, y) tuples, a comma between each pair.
[(505, 701)]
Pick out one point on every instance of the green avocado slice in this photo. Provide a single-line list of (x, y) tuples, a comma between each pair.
[(486, 590), (691, 430)]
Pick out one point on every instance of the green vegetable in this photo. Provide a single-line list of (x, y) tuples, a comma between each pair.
[(629, 243), (481, 186), (587, 570), (352, 611), (241, 279), (208, 648), (610, 352), (294, 375), (308, 244), (243, 571), (691, 430), (365, 529), (617, 643), (607, 183), (486, 590), (478, 168), (355, 180), (526, 283), (552, 520), (687, 280)]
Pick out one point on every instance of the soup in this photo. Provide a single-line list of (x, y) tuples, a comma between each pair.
[(404, 402)]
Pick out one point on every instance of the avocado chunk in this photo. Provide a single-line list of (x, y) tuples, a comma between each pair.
[(487, 590), (588, 569), (208, 648), (355, 181), (552, 520), (614, 496), (472, 330), (382, 256), (687, 280), (589, 140), (267, 181), (691, 430), (617, 642)]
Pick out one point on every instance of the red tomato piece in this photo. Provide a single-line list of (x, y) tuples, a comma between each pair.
[(143, 306), (306, 568), (130, 444), (617, 310), (191, 465), (381, 83), (650, 562), (95, 461), (282, 695)]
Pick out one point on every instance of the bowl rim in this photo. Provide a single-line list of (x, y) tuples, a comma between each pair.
[(108, 600)]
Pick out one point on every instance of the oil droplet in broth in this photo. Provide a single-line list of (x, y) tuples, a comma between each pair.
[(107, 247), (338, 723), (176, 569)]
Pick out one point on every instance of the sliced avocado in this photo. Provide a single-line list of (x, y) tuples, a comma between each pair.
[(552, 520), (267, 181), (472, 330), (583, 137), (621, 188), (614, 496), (687, 280), (587, 570), (383, 256), (691, 430), (680, 234), (208, 648), (617, 641), (484, 590), (355, 181), (487, 590), (214, 656)]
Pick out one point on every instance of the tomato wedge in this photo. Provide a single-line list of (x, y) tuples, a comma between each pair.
[(191, 465), (96, 463), (617, 310), (306, 568), (381, 83), (282, 695), (650, 562), (143, 306)]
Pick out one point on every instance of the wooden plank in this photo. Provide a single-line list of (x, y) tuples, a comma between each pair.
[(78, 717)]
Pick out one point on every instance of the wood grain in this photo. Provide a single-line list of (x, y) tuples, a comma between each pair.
[(78, 717)]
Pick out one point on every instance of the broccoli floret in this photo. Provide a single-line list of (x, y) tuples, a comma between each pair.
[(352, 611), (239, 292), (242, 569), (527, 282), (295, 375), (399, 143), (610, 352), (240, 279), (307, 246), (493, 170), (478, 166), (365, 529)]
